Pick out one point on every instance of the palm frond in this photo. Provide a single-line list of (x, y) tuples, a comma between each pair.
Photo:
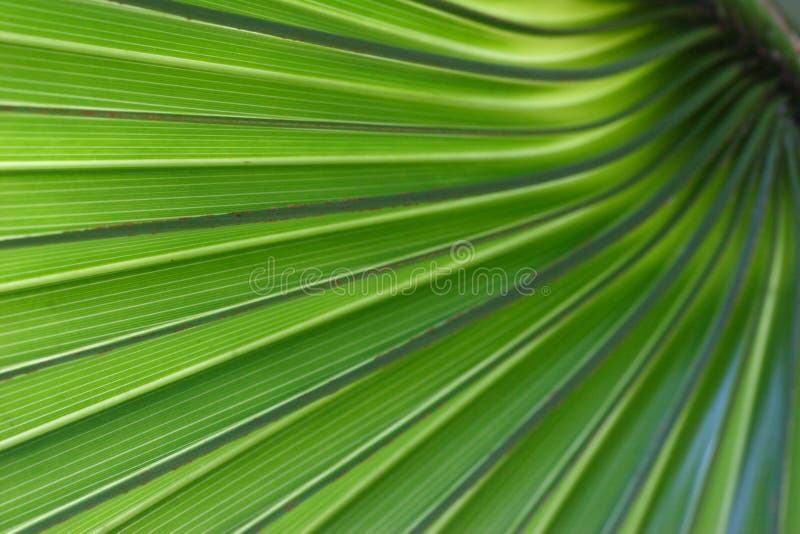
[(445, 265)]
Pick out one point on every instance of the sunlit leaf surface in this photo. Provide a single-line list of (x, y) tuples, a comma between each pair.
[(395, 265)]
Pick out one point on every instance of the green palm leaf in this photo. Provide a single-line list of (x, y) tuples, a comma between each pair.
[(444, 265)]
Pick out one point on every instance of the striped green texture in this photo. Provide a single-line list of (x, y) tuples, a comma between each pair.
[(395, 266)]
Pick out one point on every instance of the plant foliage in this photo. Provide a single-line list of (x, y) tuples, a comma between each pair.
[(261, 262)]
